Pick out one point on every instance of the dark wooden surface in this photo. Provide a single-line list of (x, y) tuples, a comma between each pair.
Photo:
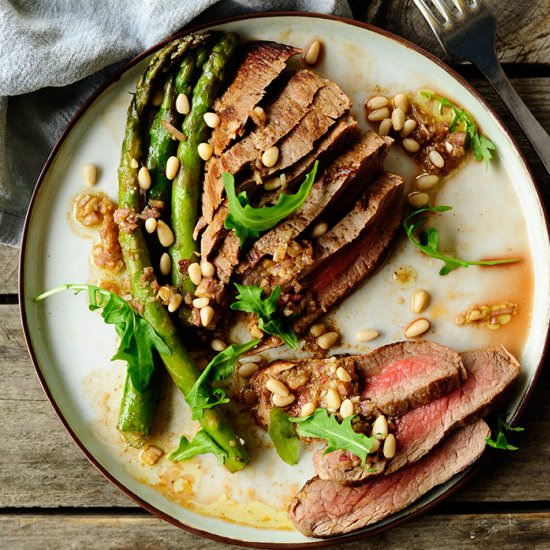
[(51, 497)]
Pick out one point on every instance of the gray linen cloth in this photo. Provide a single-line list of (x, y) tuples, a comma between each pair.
[(54, 53)]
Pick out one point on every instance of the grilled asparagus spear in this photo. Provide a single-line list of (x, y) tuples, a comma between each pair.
[(178, 362), (186, 185)]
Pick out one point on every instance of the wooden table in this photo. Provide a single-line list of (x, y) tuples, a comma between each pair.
[(51, 497)]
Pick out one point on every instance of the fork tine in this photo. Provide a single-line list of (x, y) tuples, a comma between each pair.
[(443, 10), (459, 5), (428, 16)]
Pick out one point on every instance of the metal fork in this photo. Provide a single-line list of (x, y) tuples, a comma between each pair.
[(466, 30)]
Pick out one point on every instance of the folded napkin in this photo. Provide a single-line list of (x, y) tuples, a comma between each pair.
[(54, 53)]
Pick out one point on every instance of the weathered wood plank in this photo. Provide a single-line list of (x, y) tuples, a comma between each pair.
[(523, 35), (505, 531), (41, 467), (8, 269)]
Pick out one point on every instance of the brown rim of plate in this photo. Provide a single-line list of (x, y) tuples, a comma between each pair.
[(316, 543)]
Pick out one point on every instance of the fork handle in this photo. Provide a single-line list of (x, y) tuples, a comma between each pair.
[(539, 138)]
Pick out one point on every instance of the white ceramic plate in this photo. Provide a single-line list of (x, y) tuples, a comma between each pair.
[(496, 212)]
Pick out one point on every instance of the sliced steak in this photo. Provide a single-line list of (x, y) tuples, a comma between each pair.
[(309, 380), (360, 163), (400, 376), (341, 135), (368, 210), (282, 115), (490, 373), (348, 268), (214, 233), (262, 63), (326, 508), (329, 104)]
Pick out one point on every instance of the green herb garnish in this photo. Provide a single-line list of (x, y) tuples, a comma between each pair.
[(283, 435), (427, 240), (481, 146), (248, 222), (138, 338), (338, 436), (501, 441), (250, 299), (201, 444), (203, 394)]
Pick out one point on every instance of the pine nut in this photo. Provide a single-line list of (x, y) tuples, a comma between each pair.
[(165, 234), (250, 359), (207, 269), (385, 127), (205, 150), (282, 400), (380, 427), (212, 120), (425, 182), (377, 102), (420, 300), (272, 183), (151, 225), (436, 159), (319, 229), (374, 447), (165, 263), (317, 329), (367, 335), (194, 272), (164, 293), (206, 314), (313, 52), (346, 408), (307, 409), (150, 455), (247, 369), (134, 163), (401, 101), (390, 446), (172, 167), (277, 387), (417, 328), (333, 399), (343, 375), (199, 303), (89, 173), (417, 199), (270, 157), (260, 115), (175, 302), (217, 344), (410, 145), (379, 114), (398, 119), (144, 178), (408, 127), (328, 339), (182, 104)]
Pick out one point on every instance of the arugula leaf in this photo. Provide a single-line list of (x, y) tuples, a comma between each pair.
[(482, 147), (203, 395), (250, 299), (247, 221), (138, 338), (283, 435), (201, 444), (338, 436), (501, 441), (427, 241)]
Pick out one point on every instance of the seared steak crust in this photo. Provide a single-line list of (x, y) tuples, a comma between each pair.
[(262, 62), (326, 508)]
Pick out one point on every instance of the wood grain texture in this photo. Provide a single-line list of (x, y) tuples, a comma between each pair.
[(523, 28), (503, 531), (8, 269)]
